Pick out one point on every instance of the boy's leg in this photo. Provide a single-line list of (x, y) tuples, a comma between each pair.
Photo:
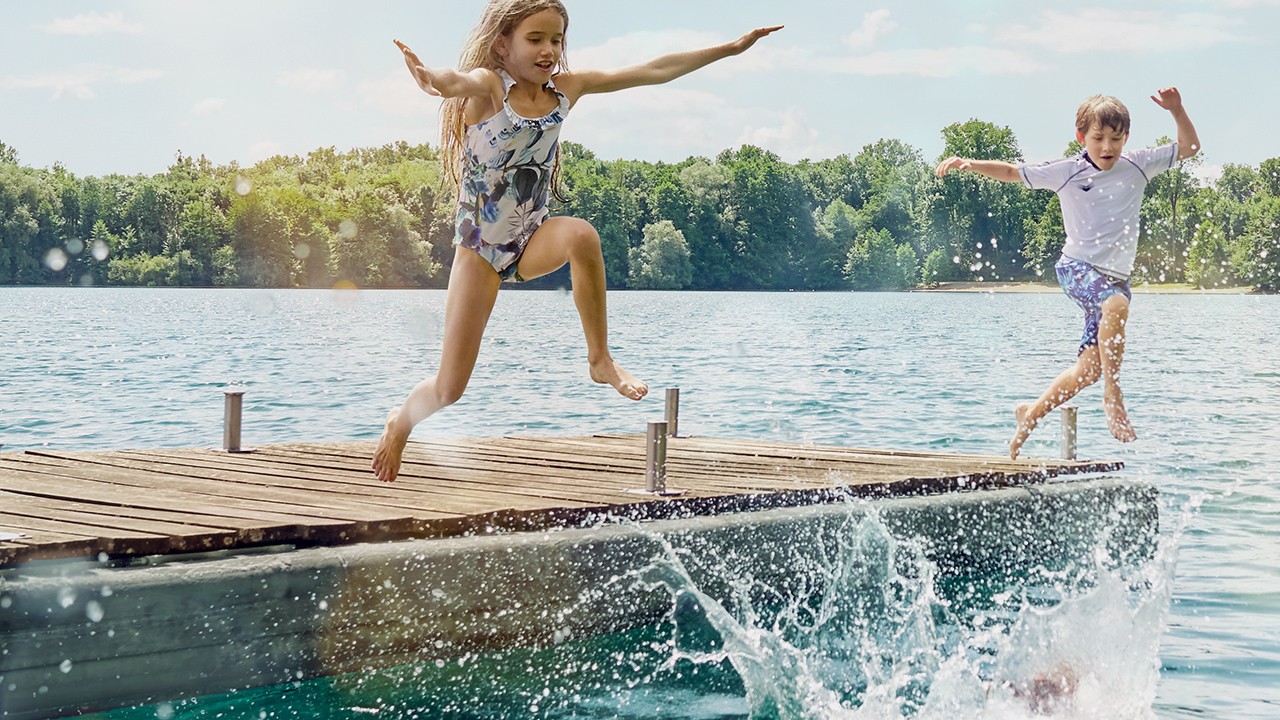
[(1115, 314), (473, 289), (1084, 373), (567, 239)]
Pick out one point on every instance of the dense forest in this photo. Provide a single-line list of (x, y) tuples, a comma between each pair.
[(745, 220)]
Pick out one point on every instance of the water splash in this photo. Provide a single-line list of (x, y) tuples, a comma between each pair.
[(872, 629)]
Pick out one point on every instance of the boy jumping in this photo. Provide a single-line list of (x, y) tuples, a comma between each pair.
[(1101, 192)]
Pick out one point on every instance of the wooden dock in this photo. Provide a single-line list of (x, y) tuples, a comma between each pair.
[(126, 504)]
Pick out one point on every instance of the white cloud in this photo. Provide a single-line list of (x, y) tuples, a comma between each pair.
[(80, 81), (792, 140), (313, 79), (262, 150), (617, 124), (631, 125), (396, 106), (91, 24), (875, 25), (1109, 30), (939, 62), (639, 47), (209, 106), (396, 94), (1208, 173)]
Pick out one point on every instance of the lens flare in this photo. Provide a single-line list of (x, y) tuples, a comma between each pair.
[(55, 259)]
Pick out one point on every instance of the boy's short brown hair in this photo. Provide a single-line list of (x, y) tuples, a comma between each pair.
[(1105, 111)]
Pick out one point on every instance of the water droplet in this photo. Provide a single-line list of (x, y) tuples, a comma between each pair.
[(347, 229), (75, 246), (66, 597), (243, 186), (93, 610), (99, 250), (65, 667), (55, 259)]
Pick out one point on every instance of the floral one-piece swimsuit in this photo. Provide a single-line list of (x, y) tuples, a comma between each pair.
[(506, 181)]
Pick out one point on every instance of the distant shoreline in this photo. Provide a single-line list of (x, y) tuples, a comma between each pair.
[(1045, 287), (946, 287)]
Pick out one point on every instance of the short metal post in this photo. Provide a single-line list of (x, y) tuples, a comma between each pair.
[(673, 411), (232, 405), (1069, 432), (231, 420), (655, 457)]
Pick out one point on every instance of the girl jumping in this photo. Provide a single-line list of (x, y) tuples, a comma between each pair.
[(500, 129)]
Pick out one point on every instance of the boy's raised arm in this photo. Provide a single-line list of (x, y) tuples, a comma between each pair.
[(1188, 142), (994, 169), (661, 69)]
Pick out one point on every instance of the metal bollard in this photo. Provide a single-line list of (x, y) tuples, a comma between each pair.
[(1069, 432), (655, 457), (673, 411), (232, 405)]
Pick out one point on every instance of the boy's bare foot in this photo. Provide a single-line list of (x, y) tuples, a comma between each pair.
[(386, 459), (1118, 418), (608, 372), (1025, 426)]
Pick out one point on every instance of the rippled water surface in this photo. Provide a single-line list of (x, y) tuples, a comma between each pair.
[(132, 368)]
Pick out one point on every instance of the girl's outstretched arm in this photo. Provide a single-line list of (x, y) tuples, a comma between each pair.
[(446, 82), (658, 70)]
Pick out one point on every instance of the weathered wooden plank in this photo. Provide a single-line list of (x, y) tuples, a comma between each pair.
[(614, 474), (75, 483), (214, 484), (111, 540), (253, 526), (355, 478), (491, 475)]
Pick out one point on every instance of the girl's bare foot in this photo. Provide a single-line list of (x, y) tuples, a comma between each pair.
[(1025, 426), (608, 372), (1118, 417), (386, 459)]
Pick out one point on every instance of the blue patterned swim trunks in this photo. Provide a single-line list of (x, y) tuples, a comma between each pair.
[(1089, 287)]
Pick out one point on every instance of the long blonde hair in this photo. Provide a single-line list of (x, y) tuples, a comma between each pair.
[(500, 18)]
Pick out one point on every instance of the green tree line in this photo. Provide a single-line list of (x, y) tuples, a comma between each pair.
[(745, 220)]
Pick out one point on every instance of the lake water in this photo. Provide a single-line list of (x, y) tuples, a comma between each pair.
[(97, 368)]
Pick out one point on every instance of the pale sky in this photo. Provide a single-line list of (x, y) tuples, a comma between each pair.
[(121, 86)]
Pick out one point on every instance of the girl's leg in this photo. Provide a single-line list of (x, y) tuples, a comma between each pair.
[(473, 289), (566, 239), (1084, 373), (1115, 314)]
